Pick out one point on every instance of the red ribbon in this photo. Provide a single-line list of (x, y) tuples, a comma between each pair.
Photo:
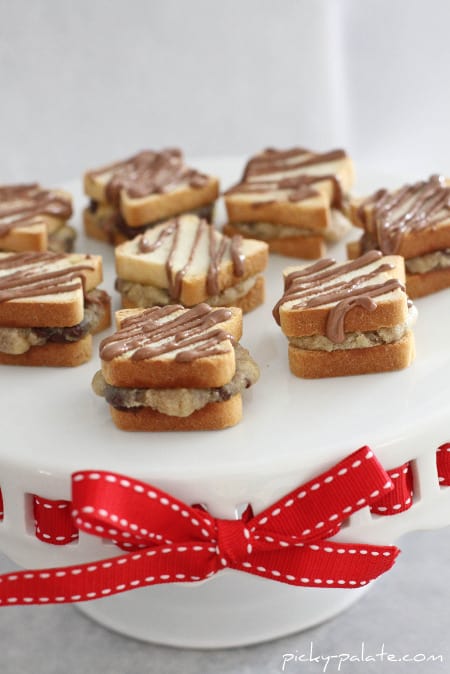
[(173, 542)]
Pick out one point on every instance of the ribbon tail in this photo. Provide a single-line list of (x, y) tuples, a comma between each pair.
[(323, 564), (95, 580)]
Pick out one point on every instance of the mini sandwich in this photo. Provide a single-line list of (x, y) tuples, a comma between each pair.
[(171, 368), (34, 218), (49, 308), (414, 222), (128, 197), (187, 261), (349, 318), (293, 199)]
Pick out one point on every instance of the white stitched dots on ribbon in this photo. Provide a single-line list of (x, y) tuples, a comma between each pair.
[(316, 485)]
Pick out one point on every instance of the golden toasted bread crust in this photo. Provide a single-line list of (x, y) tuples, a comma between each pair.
[(417, 285), (149, 171), (294, 187), (354, 250), (212, 417), (51, 354), (139, 212), (391, 310), (59, 310), (311, 213), (384, 358), (306, 247), (416, 243), (420, 285), (33, 237), (203, 372)]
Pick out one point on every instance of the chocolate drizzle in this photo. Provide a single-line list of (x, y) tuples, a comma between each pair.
[(21, 205), (261, 171), (412, 208), (219, 247), (322, 284), (158, 331), (26, 275), (147, 173)]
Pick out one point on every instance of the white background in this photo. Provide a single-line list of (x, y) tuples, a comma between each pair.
[(86, 82)]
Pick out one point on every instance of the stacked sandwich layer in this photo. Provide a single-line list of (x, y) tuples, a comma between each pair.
[(171, 368), (188, 261), (34, 218), (414, 222), (293, 199), (349, 318), (49, 308), (129, 196)]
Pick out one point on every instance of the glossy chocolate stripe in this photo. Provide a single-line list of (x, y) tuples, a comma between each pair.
[(324, 283), (429, 204), (155, 332), (299, 187), (34, 277), (148, 173), (20, 203), (218, 247)]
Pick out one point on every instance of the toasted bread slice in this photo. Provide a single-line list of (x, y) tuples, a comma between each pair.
[(411, 221), (313, 364), (307, 247), (151, 186), (327, 298), (190, 259), (29, 214), (24, 234), (420, 285), (417, 284), (172, 347), (295, 187), (52, 354), (214, 416), (45, 289)]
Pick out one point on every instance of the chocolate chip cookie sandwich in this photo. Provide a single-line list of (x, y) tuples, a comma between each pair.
[(347, 318), (187, 261), (293, 199), (34, 218), (413, 221), (129, 196), (172, 368), (49, 308)]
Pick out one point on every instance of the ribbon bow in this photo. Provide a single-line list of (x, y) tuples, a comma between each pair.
[(168, 541)]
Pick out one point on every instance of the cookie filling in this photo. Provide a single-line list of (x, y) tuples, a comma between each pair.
[(183, 401), (149, 296), (62, 240), (358, 340), (266, 231), (19, 340), (439, 259)]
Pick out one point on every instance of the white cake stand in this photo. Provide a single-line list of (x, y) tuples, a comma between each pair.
[(292, 429)]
